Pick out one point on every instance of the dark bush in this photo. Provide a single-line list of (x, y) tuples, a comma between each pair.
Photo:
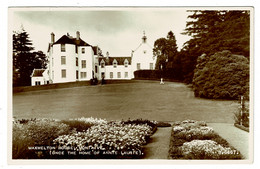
[(221, 76), (78, 125), (168, 73)]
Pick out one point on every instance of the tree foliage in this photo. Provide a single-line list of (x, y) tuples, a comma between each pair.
[(165, 49), (221, 76), (214, 31), (25, 59)]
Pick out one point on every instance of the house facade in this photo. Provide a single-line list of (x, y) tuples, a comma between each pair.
[(40, 77), (72, 59)]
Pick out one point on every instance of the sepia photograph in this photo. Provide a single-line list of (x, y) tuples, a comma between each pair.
[(131, 84)]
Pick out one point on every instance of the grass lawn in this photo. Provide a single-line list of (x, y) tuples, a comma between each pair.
[(142, 99)]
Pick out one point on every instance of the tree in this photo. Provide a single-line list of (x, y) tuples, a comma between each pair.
[(214, 31), (222, 76), (24, 59), (165, 49)]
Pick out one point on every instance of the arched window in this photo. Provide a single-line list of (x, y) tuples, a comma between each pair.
[(126, 63), (114, 63)]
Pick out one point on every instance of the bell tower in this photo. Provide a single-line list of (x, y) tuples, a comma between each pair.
[(144, 38)]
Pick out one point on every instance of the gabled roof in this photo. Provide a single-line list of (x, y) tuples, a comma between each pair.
[(120, 60), (65, 39), (37, 73)]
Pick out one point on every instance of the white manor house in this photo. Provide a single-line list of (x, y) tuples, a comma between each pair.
[(72, 59)]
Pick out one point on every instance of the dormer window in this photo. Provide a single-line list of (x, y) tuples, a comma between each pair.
[(62, 48), (126, 63), (114, 63), (102, 63)]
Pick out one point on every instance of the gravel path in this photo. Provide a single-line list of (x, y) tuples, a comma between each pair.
[(237, 138), (158, 147)]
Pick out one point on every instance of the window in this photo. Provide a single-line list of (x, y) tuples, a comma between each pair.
[(63, 73), (77, 62), (126, 63), (114, 63), (102, 65), (96, 69), (77, 74), (62, 48), (111, 75), (118, 74), (126, 74), (138, 66), (83, 75), (151, 66), (76, 49), (37, 83), (63, 60), (83, 50), (103, 74), (83, 63)]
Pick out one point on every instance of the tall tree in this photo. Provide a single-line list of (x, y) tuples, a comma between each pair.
[(24, 59), (165, 49), (214, 31)]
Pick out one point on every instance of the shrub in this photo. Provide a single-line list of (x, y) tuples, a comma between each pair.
[(34, 133), (221, 76), (208, 149), (152, 124), (115, 137), (78, 125), (194, 140)]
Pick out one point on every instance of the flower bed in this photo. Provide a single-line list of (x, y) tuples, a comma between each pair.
[(79, 138), (194, 140)]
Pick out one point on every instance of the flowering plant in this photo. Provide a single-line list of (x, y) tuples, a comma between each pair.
[(194, 140), (112, 136), (207, 149)]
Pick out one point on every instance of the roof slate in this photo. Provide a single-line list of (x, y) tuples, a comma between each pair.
[(109, 60), (38, 72), (69, 40)]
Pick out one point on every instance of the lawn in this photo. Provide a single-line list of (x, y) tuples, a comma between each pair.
[(142, 99)]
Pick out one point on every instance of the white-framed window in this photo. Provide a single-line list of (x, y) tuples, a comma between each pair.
[(63, 73), (111, 75), (77, 74), (82, 50), (77, 61), (37, 83), (63, 60), (151, 66), (126, 63), (118, 74), (126, 74), (138, 66), (114, 63), (83, 75), (62, 48), (83, 63), (96, 68)]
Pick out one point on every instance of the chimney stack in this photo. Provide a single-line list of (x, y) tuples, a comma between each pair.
[(78, 35), (52, 37)]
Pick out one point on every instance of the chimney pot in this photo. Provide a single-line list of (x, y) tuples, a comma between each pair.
[(52, 37), (78, 35)]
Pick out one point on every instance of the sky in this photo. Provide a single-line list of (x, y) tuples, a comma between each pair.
[(116, 30)]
